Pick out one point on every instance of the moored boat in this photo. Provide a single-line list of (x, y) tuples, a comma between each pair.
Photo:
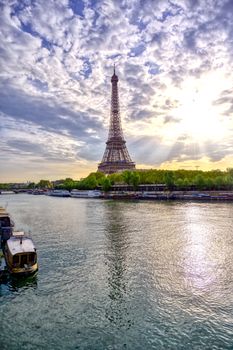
[(38, 192), (86, 194), (59, 193), (6, 226), (7, 192), (3, 266), (20, 254)]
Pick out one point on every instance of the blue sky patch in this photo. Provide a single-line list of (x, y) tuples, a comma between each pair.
[(137, 50), (87, 69), (77, 6), (153, 68), (40, 85)]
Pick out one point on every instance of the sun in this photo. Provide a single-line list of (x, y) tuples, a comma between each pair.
[(199, 116)]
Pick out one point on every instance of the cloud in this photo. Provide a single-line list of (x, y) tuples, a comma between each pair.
[(170, 119), (46, 113)]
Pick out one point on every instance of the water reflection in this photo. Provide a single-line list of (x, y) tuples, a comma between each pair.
[(199, 267), (116, 261), (15, 284), (23, 282)]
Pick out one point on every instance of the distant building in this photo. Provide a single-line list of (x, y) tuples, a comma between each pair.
[(19, 185)]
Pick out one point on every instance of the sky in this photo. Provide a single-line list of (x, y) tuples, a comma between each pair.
[(175, 68)]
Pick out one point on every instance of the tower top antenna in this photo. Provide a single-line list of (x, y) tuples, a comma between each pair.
[(114, 77)]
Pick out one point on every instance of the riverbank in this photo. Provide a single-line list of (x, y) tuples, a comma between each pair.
[(172, 195), (155, 195)]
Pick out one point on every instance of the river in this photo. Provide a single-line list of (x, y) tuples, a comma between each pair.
[(121, 275)]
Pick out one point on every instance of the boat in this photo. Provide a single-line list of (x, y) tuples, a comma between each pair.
[(38, 192), (6, 226), (86, 194), (7, 192), (20, 254), (59, 193), (3, 266)]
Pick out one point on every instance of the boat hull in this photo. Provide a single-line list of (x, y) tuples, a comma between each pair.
[(60, 195), (22, 271), (79, 196)]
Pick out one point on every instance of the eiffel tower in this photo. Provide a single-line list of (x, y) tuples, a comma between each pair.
[(116, 157)]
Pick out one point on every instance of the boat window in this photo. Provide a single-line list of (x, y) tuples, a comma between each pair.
[(23, 260), (5, 222), (15, 259), (31, 258)]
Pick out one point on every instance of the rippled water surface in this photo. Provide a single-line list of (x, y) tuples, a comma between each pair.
[(121, 275)]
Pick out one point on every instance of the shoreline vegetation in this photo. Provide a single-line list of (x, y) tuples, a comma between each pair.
[(144, 184)]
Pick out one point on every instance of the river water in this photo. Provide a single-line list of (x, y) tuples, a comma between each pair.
[(121, 275)]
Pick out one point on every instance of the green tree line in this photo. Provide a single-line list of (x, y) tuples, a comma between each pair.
[(176, 179)]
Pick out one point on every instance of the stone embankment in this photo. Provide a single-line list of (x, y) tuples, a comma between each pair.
[(172, 195)]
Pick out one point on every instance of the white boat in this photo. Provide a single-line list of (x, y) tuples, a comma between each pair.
[(7, 192), (86, 194), (59, 193), (20, 254)]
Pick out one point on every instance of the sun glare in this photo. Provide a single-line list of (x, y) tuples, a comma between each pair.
[(199, 117)]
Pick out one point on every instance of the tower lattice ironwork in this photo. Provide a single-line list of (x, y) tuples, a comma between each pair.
[(116, 156)]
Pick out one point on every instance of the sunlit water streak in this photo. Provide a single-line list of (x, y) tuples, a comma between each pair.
[(121, 275)]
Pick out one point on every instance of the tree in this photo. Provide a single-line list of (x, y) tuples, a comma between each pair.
[(169, 179), (91, 182), (186, 183), (106, 184), (230, 172), (98, 175), (180, 183), (135, 179), (115, 178), (131, 178), (127, 177), (209, 183), (199, 181), (219, 182), (44, 184), (5, 186), (31, 185), (69, 184)]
